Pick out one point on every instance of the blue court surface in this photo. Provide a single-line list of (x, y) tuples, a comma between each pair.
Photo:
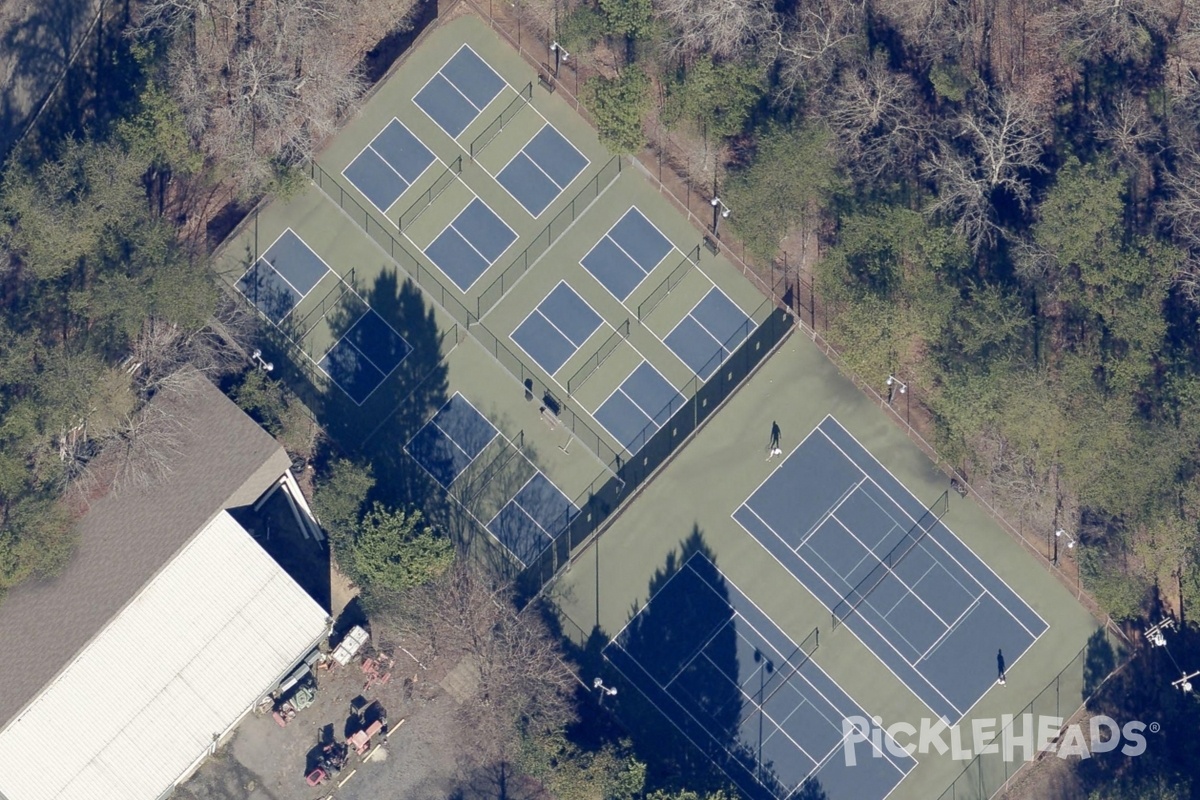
[(365, 355), (557, 328), (625, 255), (470, 244), (459, 91), (448, 443), (745, 694), (530, 522), (709, 333), (282, 276), (639, 407), (538, 174), (387, 166), (939, 618)]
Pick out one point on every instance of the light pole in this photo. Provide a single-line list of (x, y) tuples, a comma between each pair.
[(1059, 534), (894, 384), (262, 363), (558, 51), (1156, 633), (605, 691), (1184, 684), (766, 668), (720, 211)]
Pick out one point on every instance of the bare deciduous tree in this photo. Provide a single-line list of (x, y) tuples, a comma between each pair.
[(810, 45), (878, 116), (721, 28), (521, 681), (263, 82), (1121, 30), (998, 147)]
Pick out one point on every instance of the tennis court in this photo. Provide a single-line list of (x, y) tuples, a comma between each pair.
[(744, 693), (360, 357), (529, 518), (627, 254), (636, 409), (709, 333), (529, 523), (470, 244), (282, 276), (388, 165), (542, 170), (887, 568), (459, 91), (560, 324), (365, 355), (447, 444)]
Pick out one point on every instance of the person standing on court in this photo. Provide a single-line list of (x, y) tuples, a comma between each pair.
[(773, 449)]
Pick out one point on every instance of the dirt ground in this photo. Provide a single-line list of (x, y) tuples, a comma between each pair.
[(419, 758)]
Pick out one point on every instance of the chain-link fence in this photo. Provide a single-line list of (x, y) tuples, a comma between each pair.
[(1064, 697)]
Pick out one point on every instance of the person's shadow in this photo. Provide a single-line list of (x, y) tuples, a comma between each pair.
[(774, 435), (1000, 666)]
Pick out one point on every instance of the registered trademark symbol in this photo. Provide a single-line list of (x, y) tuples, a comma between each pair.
[(1155, 727)]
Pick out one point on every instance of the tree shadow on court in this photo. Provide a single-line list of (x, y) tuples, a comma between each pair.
[(660, 636), (375, 433), (482, 490)]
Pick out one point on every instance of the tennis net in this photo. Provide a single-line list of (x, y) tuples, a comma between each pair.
[(773, 677), (933, 514)]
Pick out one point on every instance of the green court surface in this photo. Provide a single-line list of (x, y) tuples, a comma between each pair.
[(688, 507), (395, 269), (594, 333)]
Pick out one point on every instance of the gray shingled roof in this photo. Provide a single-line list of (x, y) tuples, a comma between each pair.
[(224, 460)]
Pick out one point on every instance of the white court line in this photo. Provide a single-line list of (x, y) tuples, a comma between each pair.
[(470, 102), (587, 162), (471, 244), (350, 180), (388, 164), (638, 406), (516, 237), (688, 565), (821, 577), (599, 316), (666, 687), (552, 375), (864, 599), (456, 447), (952, 627), (434, 158), (263, 258), (829, 513), (484, 61), (841, 713), (686, 317), (478, 110), (650, 416), (570, 502), (517, 503), (317, 362), (886, 640), (324, 263), (980, 560), (748, 318), (429, 116), (279, 272), (869, 555), (801, 675), (664, 714)]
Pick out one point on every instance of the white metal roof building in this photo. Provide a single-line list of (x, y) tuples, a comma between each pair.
[(171, 621)]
